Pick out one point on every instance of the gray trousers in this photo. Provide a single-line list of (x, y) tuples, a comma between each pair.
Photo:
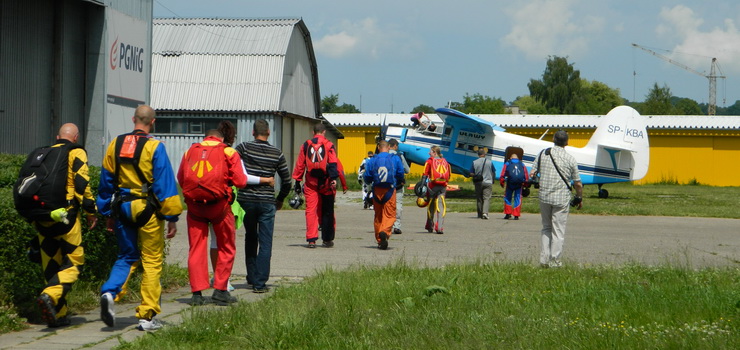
[(554, 219), (399, 208), (483, 197)]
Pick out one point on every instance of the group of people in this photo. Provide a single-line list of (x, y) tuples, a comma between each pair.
[(138, 196)]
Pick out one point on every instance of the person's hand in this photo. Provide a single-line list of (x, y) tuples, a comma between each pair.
[(110, 223), (278, 204), (297, 187), (270, 181), (92, 221), (171, 230), (333, 184)]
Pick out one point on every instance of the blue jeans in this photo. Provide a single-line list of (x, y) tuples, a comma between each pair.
[(259, 222)]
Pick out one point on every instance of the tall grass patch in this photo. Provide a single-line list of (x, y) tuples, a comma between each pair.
[(478, 306)]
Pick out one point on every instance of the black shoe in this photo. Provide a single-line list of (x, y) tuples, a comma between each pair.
[(197, 299), (440, 232), (222, 297), (327, 244), (383, 245), (261, 290), (61, 322), (516, 218), (48, 312), (397, 231), (507, 217), (311, 245)]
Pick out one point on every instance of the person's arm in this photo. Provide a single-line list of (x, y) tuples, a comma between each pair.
[(331, 164), (300, 164), (236, 171), (579, 194), (472, 169), (81, 184), (526, 175), (502, 177), (164, 185)]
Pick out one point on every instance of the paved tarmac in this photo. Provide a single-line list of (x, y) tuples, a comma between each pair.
[(614, 240)]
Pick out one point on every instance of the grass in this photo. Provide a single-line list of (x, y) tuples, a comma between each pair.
[(484, 305)]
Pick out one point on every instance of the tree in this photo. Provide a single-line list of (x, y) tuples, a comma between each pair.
[(658, 101), (423, 108), (734, 109), (559, 88), (479, 104), (329, 105), (530, 105), (597, 98), (687, 106)]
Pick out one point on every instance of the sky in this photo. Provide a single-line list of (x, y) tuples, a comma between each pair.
[(390, 56)]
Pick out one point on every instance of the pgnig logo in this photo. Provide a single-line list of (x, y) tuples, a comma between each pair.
[(126, 56)]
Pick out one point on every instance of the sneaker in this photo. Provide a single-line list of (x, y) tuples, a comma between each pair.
[(397, 231), (222, 297), (197, 299), (383, 245), (107, 313), (428, 227), (555, 264), (48, 312), (229, 287), (61, 322), (327, 244), (440, 232), (516, 218), (149, 325), (311, 244), (507, 216), (261, 290), (484, 217)]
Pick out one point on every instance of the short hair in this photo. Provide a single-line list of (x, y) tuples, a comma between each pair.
[(214, 132), (560, 138), (145, 115), (318, 128), (481, 151), (383, 144), (261, 128), (370, 153), (393, 142)]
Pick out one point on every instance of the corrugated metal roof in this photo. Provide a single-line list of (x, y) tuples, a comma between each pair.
[(210, 36), (546, 121)]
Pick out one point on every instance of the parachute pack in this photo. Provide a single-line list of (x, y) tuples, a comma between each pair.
[(41, 187), (440, 171), (515, 174), (316, 158), (205, 174), (384, 170)]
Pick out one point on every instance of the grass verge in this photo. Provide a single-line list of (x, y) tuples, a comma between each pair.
[(478, 306)]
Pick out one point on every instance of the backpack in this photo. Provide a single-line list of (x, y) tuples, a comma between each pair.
[(440, 171), (515, 174), (42, 187), (316, 158), (128, 151), (385, 171), (204, 174)]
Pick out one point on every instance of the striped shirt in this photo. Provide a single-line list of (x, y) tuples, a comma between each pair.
[(264, 160), (553, 190)]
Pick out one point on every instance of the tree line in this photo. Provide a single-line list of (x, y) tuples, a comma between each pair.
[(561, 90)]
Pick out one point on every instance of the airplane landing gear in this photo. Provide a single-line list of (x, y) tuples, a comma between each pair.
[(603, 193)]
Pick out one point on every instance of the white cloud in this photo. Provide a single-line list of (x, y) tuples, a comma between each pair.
[(366, 38), (549, 27), (696, 47)]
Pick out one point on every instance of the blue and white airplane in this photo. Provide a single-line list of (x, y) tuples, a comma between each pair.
[(618, 151)]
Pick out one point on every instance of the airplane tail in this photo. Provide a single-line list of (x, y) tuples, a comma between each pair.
[(621, 144)]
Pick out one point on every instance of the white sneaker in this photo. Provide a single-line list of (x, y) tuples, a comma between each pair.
[(149, 325), (229, 287), (107, 312), (485, 216)]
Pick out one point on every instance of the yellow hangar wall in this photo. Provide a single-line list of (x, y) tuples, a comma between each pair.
[(683, 156)]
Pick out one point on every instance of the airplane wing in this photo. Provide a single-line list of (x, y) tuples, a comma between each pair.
[(463, 121)]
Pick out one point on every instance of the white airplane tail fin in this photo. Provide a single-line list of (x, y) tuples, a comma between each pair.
[(621, 143)]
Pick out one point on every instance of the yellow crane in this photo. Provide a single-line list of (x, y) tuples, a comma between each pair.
[(712, 75)]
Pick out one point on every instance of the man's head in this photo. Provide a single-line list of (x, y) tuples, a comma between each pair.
[(370, 154), (144, 115), (560, 138), (481, 152), (319, 128), (68, 132), (215, 133), (261, 128), (383, 146), (393, 143)]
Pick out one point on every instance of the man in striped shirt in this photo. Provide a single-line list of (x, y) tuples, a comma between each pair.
[(264, 160)]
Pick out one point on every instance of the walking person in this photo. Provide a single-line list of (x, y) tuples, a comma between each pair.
[(58, 219), (384, 171), (367, 196), (317, 162), (554, 169), (482, 171), (207, 172), (436, 174), (259, 203), (137, 193), (393, 143), (514, 175), (327, 198)]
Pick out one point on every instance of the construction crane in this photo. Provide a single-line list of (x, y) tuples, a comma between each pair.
[(712, 76)]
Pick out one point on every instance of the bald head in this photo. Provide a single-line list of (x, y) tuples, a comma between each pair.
[(69, 132), (144, 115)]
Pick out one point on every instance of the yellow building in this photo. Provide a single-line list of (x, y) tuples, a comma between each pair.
[(683, 149)]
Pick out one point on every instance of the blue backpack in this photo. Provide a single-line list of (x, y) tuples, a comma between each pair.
[(515, 174), (384, 170)]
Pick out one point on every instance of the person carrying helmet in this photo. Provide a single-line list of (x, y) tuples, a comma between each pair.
[(436, 174), (384, 171), (317, 162), (260, 158)]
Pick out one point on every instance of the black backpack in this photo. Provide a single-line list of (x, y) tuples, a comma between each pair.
[(42, 187)]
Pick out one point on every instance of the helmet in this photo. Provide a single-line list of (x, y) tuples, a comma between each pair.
[(422, 202), (296, 201), (525, 192), (421, 190)]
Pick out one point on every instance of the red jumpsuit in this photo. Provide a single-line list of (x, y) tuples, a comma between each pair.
[(314, 183)]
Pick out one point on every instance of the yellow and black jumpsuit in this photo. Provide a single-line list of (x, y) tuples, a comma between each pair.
[(62, 256)]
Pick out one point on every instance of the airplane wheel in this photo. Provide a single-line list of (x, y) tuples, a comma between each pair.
[(603, 194)]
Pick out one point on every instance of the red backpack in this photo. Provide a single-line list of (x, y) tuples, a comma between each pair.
[(317, 155), (440, 171), (204, 176)]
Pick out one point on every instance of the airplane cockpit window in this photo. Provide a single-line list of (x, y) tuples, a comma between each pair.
[(448, 131)]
